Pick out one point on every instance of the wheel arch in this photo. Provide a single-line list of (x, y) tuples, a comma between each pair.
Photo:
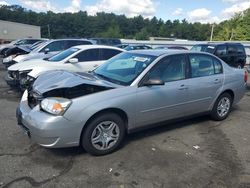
[(117, 111)]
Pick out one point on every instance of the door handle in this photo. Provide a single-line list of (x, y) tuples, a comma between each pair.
[(183, 87), (217, 81), (95, 65)]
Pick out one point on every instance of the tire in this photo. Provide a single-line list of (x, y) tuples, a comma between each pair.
[(100, 138), (220, 111)]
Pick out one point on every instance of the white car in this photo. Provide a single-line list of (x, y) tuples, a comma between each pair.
[(76, 59), (46, 50)]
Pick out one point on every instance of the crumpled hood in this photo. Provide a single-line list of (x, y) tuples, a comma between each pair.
[(63, 80), (28, 65)]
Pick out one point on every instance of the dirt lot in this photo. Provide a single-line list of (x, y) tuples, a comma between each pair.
[(194, 153)]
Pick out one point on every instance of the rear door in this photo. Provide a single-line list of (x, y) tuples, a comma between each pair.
[(54, 47), (205, 82), (241, 55), (221, 52), (232, 55)]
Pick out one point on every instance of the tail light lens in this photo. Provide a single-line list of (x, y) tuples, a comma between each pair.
[(245, 76)]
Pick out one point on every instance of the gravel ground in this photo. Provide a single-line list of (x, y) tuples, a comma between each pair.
[(192, 153)]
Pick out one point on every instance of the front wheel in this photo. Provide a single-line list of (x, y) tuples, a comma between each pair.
[(222, 107), (103, 134)]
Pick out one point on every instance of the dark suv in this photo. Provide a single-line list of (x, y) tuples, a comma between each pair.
[(233, 54)]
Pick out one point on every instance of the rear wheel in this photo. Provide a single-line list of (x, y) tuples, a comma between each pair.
[(222, 107), (103, 134)]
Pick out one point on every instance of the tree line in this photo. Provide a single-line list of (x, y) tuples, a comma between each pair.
[(108, 25)]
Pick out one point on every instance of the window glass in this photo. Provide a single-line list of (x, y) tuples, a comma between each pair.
[(55, 46), (221, 50), (232, 49), (124, 68), (171, 68), (217, 66), (240, 49), (201, 65), (108, 53), (199, 48), (88, 55), (64, 54)]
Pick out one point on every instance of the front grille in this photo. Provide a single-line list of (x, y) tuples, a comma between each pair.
[(34, 98)]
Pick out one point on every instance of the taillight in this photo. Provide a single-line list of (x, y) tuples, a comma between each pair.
[(245, 76)]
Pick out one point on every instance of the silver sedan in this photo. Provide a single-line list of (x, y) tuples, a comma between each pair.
[(130, 91)]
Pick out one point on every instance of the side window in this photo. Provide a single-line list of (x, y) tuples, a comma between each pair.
[(221, 50), (240, 49), (217, 66), (169, 69), (106, 54), (54, 46), (232, 49), (88, 55), (201, 65)]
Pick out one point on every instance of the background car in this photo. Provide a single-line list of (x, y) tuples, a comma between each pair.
[(170, 48), (47, 50), (20, 42), (129, 92), (76, 59), (106, 41), (233, 54), (137, 47)]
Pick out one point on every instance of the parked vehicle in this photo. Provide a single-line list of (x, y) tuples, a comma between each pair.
[(20, 42), (171, 48), (106, 41), (129, 92), (21, 49), (47, 50), (77, 59), (121, 46), (232, 53), (18, 50), (137, 47)]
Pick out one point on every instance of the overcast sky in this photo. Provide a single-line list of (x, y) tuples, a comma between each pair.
[(193, 10)]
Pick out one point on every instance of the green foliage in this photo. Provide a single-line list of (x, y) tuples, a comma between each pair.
[(80, 24), (237, 28)]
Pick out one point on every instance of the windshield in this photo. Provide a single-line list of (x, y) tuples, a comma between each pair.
[(199, 48), (203, 48), (124, 68), (64, 54)]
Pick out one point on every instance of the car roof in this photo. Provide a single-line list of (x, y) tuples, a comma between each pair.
[(218, 43), (85, 47), (154, 52), (158, 53)]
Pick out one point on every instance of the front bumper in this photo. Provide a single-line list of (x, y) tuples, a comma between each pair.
[(11, 81), (45, 129)]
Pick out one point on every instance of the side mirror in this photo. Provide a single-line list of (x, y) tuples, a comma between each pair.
[(46, 50), (73, 60), (153, 82)]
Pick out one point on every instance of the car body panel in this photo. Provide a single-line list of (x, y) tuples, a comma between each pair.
[(142, 105)]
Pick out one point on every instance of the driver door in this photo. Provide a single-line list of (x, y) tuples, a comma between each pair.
[(168, 101), (87, 60)]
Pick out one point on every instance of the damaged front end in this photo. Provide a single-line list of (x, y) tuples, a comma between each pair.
[(70, 86)]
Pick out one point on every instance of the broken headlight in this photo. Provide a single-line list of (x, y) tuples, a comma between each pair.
[(55, 105)]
